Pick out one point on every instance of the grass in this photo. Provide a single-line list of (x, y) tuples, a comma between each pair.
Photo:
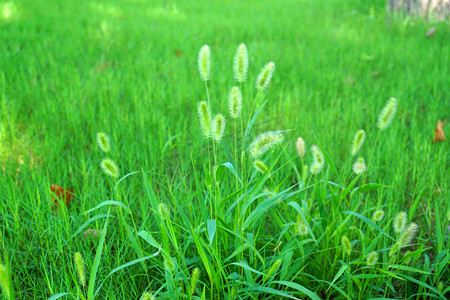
[(129, 68)]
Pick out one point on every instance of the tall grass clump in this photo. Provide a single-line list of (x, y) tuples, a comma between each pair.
[(257, 220)]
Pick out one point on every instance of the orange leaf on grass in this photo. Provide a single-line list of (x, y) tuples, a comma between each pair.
[(62, 194), (439, 132)]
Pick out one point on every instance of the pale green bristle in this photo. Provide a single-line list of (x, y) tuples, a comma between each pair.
[(387, 114), (110, 168), (358, 141), (264, 77), (240, 66), (79, 265)]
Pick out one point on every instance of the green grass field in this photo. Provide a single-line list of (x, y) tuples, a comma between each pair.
[(71, 69)]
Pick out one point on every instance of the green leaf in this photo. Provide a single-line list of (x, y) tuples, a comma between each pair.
[(368, 187), (57, 296), (96, 263), (211, 230), (109, 202), (423, 284), (300, 211), (338, 274), (85, 224), (299, 288), (148, 238), (247, 267), (369, 222), (268, 290), (409, 269)]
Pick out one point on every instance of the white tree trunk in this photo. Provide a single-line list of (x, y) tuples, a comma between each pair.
[(439, 9)]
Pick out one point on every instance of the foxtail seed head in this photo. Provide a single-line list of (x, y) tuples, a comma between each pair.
[(235, 102), (317, 154), (274, 267), (408, 235), (378, 215), (400, 222), (301, 226), (103, 142), (319, 160), (264, 77), (358, 141), (109, 167), (169, 264), (79, 265), (194, 280), (300, 147), (387, 114), (359, 166), (240, 66), (4, 281), (205, 118), (148, 296), (218, 127), (394, 249), (204, 63), (408, 259), (316, 168), (372, 258), (265, 142), (164, 211), (346, 245), (260, 166)]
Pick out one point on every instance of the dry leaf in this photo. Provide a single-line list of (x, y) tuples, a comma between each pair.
[(439, 132), (431, 32), (92, 233), (178, 53), (62, 194), (103, 66), (350, 80)]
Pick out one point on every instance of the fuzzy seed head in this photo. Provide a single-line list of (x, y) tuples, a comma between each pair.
[(400, 222), (205, 118), (103, 142), (4, 281), (300, 147), (359, 166), (164, 211), (372, 258), (318, 155), (408, 260), (204, 63), (316, 168), (319, 160), (274, 267), (218, 127), (407, 235), (387, 114), (109, 167), (169, 264), (394, 249), (265, 142), (79, 265), (194, 280), (264, 77), (260, 166), (301, 226), (378, 215), (346, 245), (235, 102), (240, 66), (358, 141), (148, 296)]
